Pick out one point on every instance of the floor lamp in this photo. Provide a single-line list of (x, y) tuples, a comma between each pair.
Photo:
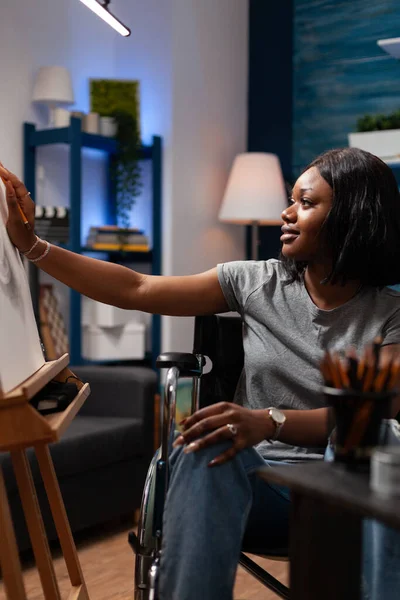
[(255, 194)]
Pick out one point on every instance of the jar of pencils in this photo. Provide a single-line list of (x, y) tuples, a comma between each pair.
[(359, 390), (357, 416)]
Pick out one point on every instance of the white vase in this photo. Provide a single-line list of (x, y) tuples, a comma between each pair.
[(108, 126)]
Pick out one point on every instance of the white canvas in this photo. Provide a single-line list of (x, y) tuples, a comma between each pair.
[(20, 348)]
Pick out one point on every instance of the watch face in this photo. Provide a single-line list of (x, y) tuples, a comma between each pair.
[(277, 416)]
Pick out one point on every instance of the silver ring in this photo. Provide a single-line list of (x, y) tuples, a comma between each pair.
[(232, 429), (22, 197)]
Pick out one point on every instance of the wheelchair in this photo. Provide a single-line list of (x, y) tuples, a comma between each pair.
[(220, 339)]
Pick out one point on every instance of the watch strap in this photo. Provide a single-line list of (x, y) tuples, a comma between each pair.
[(278, 427)]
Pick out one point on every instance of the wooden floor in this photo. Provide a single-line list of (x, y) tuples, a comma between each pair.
[(108, 565)]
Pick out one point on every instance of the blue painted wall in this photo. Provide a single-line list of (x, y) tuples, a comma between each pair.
[(270, 94), (339, 72), (270, 79)]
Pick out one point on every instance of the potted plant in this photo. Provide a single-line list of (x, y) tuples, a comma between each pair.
[(125, 168), (379, 134), (119, 99)]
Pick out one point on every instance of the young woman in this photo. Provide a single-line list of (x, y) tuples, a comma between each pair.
[(340, 249)]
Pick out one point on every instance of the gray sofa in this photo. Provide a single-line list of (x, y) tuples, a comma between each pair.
[(102, 459)]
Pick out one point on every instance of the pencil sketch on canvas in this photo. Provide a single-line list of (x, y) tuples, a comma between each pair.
[(20, 349)]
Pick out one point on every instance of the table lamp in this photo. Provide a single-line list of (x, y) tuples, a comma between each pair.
[(53, 87), (255, 193)]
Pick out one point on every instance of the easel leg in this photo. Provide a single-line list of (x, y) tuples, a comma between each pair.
[(9, 559), (61, 522), (35, 525)]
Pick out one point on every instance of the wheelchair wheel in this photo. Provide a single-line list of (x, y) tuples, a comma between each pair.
[(153, 579), (144, 543)]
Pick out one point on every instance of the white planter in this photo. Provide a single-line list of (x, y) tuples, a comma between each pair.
[(385, 144), (98, 314), (114, 343), (108, 126)]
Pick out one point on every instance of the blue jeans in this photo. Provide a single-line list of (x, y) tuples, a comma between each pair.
[(211, 513)]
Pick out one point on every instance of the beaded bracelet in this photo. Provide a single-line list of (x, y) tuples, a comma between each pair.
[(33, 247), (43, 255)]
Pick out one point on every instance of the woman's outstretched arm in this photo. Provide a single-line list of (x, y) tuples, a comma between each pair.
[(110, 283)]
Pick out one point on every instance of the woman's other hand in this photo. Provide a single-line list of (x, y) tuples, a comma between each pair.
[(221, 422), (21, 235)]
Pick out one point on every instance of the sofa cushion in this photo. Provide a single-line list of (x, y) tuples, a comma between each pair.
[(89, 442)]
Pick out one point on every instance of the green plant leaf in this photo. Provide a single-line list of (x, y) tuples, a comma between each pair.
[(120, 99)]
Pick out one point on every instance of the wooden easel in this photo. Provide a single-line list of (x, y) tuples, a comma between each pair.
[(22, 426)]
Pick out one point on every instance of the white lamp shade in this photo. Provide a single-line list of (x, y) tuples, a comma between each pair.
[(255, 191), (53, 86)]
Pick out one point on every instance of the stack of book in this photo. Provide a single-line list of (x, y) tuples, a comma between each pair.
[(111, 237)]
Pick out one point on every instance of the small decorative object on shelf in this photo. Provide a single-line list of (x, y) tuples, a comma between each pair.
[(52, 223), (62, 117), (91, 123), (108, 126)]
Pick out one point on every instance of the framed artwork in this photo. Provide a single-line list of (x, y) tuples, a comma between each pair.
[(111, 96)]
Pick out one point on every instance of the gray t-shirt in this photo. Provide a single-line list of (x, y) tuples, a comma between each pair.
[(285, 336)]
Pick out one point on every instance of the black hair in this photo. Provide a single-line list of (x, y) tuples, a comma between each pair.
[(362, 229)]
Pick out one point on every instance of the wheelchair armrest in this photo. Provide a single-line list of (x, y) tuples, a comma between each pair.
[(188, 364)]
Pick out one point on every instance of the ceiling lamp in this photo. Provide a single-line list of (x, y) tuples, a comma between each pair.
[(101, 10)]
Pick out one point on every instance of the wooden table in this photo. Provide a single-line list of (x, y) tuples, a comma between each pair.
[(328, 506)]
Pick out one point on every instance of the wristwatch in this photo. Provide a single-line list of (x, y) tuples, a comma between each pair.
[(278, 418)]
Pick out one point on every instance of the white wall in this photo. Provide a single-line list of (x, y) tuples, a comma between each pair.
[(51, 32), (191, 60), (210, 56), (41, 33)]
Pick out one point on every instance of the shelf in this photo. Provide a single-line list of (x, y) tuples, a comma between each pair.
[(35, 382), (391, 46), (60, 421), (76, 139), (63, 135), (121, 254), (21, 425)]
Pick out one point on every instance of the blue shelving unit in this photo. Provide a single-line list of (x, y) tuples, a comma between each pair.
[(77, 140)]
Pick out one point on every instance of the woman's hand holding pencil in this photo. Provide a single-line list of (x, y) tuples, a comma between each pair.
[(21, 211)]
